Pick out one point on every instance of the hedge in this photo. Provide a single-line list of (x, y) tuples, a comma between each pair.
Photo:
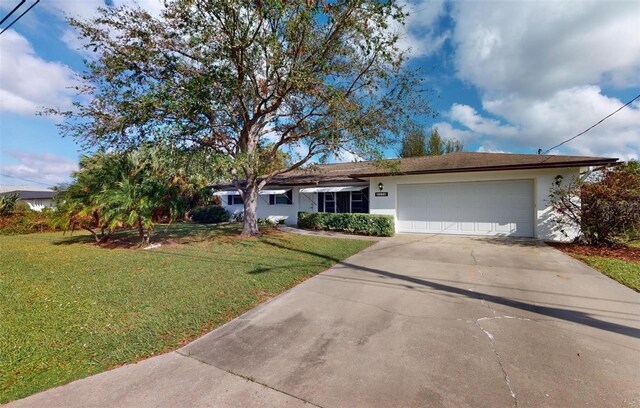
[(209, 215), (363, 224), (28, 221)]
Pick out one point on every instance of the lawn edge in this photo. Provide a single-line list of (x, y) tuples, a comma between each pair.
[(581, 261)]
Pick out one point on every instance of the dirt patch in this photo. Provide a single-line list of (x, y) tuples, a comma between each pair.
[(625, 253)]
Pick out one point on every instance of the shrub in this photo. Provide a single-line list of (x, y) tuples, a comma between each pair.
[(209, 215), (8, 203), (28, 222), (363, 224), (605, 206)]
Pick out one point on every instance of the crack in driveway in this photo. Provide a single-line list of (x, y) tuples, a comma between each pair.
[(488, 334)]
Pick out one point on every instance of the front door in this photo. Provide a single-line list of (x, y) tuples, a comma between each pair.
[(343, 202)]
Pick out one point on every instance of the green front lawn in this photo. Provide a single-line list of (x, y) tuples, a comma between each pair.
[(69, 309), (625, 272), (619, 263)]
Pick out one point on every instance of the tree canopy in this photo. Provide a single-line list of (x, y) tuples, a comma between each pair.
[(415, 143), (437, 145), (248, 79), (134, 189)]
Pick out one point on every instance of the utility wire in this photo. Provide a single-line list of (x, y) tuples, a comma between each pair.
[(596, 124), (12, 11), (24, 179), (19, 17)]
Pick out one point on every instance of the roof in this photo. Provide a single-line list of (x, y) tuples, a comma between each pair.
[(30, 195), (5, 188), (449, 163)]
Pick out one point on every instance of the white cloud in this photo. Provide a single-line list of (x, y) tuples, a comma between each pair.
[(547, 122), (86, 9), (489, 148), (28, 82), (468, 117), (447, 131), (45, 168), (419, 36), (541, 66), (345, 156), (535, 48)]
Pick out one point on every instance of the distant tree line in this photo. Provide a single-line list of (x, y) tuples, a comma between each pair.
[(416, 143)]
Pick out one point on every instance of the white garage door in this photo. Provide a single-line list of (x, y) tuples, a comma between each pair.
[(485, 208)]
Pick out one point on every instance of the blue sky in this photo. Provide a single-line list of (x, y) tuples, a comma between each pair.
[(507, 76)]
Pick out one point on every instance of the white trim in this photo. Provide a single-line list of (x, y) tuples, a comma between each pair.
[(273, 192), (262, 192), (336, 189)]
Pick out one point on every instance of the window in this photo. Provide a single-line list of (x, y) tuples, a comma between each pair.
[(285, 198), (281, 199), (235, 199), (357, 199), (329, 202), (343, 202)]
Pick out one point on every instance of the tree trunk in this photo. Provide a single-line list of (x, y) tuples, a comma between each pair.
[(140, 230), (250, 211)]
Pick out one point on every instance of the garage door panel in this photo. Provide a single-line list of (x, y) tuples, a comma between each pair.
[(484, 208), (504, 227)]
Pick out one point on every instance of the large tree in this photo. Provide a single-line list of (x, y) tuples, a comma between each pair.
[(311, 77)]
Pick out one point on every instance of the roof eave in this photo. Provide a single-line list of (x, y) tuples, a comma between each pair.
[(492, 168)]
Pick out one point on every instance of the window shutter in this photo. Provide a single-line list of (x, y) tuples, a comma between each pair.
[(272, 199), (290, 197), (320, 202), (229, 200)]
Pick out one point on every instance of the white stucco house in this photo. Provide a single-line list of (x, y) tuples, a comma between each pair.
[(487, 194), (36, 198)]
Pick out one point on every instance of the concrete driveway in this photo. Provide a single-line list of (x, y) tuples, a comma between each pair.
[(429, 321)]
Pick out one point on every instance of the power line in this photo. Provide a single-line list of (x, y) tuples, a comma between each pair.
[(19, 17), (594, 125), (24, 179), (12, 11)]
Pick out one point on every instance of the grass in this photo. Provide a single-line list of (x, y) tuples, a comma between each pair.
[(69, 309), (625, 272)]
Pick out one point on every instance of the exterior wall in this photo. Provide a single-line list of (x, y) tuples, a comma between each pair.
[(277, 211), (301, 202), (39, 204), (543, 179)]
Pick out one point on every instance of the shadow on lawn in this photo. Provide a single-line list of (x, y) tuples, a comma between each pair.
[(570, 315), (177, 233)]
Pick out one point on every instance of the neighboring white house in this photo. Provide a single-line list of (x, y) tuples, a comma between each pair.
[(35, 197), (488, 194)]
